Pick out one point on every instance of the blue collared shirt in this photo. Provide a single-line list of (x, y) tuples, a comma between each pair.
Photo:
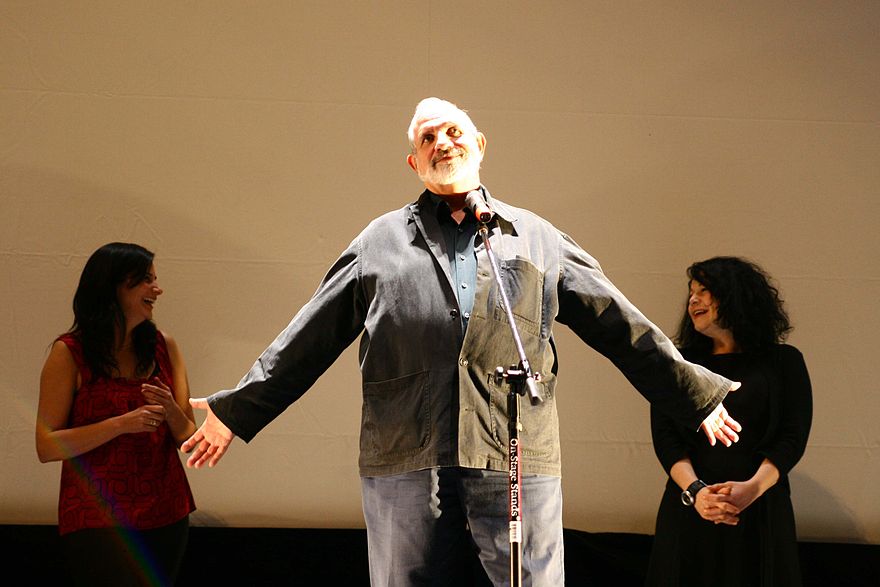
[(460, 252)]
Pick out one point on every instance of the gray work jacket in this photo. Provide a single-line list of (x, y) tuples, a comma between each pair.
[(429, 399)]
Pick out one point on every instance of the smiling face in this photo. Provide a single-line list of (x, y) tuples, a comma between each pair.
[(703, 310), (138, 298), (447, 148)]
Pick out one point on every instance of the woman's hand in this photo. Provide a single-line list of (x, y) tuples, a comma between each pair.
[(738, 495), (159, 395), (712, 504), (145, 418)]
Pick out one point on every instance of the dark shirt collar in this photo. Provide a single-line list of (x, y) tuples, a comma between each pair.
[(444, 213), (430, 201), (442, 210)]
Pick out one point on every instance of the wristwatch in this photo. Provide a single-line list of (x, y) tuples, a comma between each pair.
[(689, 495)]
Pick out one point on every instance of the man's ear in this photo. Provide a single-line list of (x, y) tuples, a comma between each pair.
[(411, 161), (481, 142)]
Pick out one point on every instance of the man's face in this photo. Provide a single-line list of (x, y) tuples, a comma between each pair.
[(447, 153)]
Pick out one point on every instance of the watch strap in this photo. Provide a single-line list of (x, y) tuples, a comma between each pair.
[(689, 495)]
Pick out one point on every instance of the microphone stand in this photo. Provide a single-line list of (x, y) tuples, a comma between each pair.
[(519, 378)]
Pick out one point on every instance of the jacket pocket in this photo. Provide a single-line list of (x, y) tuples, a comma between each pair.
[(524, 286), (396, 418), (539, 435)]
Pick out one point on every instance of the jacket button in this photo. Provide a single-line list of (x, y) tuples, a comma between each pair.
[(453, 313), (463, 362)]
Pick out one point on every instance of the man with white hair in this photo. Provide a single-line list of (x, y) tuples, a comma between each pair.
[(418, 284)]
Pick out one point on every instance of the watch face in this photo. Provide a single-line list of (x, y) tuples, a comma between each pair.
[(689, 495), (687, 498)]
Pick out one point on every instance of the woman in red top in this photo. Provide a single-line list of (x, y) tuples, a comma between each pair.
[(114, 408)]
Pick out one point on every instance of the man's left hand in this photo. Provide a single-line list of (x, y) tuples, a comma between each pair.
[(719, 425)]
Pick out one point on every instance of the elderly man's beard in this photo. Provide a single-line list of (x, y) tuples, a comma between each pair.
[(461, 167)]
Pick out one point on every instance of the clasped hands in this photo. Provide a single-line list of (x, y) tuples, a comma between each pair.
[(722, 503)]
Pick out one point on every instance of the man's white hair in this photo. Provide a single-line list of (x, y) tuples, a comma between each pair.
[(433, 108)]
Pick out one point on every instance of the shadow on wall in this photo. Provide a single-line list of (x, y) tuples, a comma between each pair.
[(813, 521)]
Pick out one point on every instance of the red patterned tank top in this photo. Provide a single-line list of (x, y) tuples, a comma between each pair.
[(135, 480)]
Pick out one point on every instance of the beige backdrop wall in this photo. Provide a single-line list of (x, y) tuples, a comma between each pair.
[(248, 142)]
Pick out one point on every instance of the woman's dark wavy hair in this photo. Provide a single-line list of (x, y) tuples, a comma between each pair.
[(748, 305), (97, 316)]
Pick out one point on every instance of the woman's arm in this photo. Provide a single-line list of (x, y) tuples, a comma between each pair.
[(742, 494), (794, 412), (712, 502), (175, 401), (58, 383)]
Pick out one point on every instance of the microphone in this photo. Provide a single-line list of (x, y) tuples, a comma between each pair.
[(475, 202)]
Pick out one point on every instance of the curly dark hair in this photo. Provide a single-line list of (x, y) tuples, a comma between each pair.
[(748, 305), (97, 316)]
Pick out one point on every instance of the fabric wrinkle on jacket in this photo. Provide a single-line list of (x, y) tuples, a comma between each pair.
[(429, 398)]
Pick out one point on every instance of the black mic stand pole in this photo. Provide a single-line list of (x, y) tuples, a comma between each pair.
[(518, 377)]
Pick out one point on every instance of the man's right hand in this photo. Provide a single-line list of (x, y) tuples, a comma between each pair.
[(210, 441)]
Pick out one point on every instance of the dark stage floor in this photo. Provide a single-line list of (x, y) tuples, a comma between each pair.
[(276, 556)]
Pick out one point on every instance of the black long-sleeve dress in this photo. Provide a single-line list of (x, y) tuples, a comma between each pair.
[(774, 406)]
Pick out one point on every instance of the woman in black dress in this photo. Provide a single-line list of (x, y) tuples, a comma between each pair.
[(726, 516)]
